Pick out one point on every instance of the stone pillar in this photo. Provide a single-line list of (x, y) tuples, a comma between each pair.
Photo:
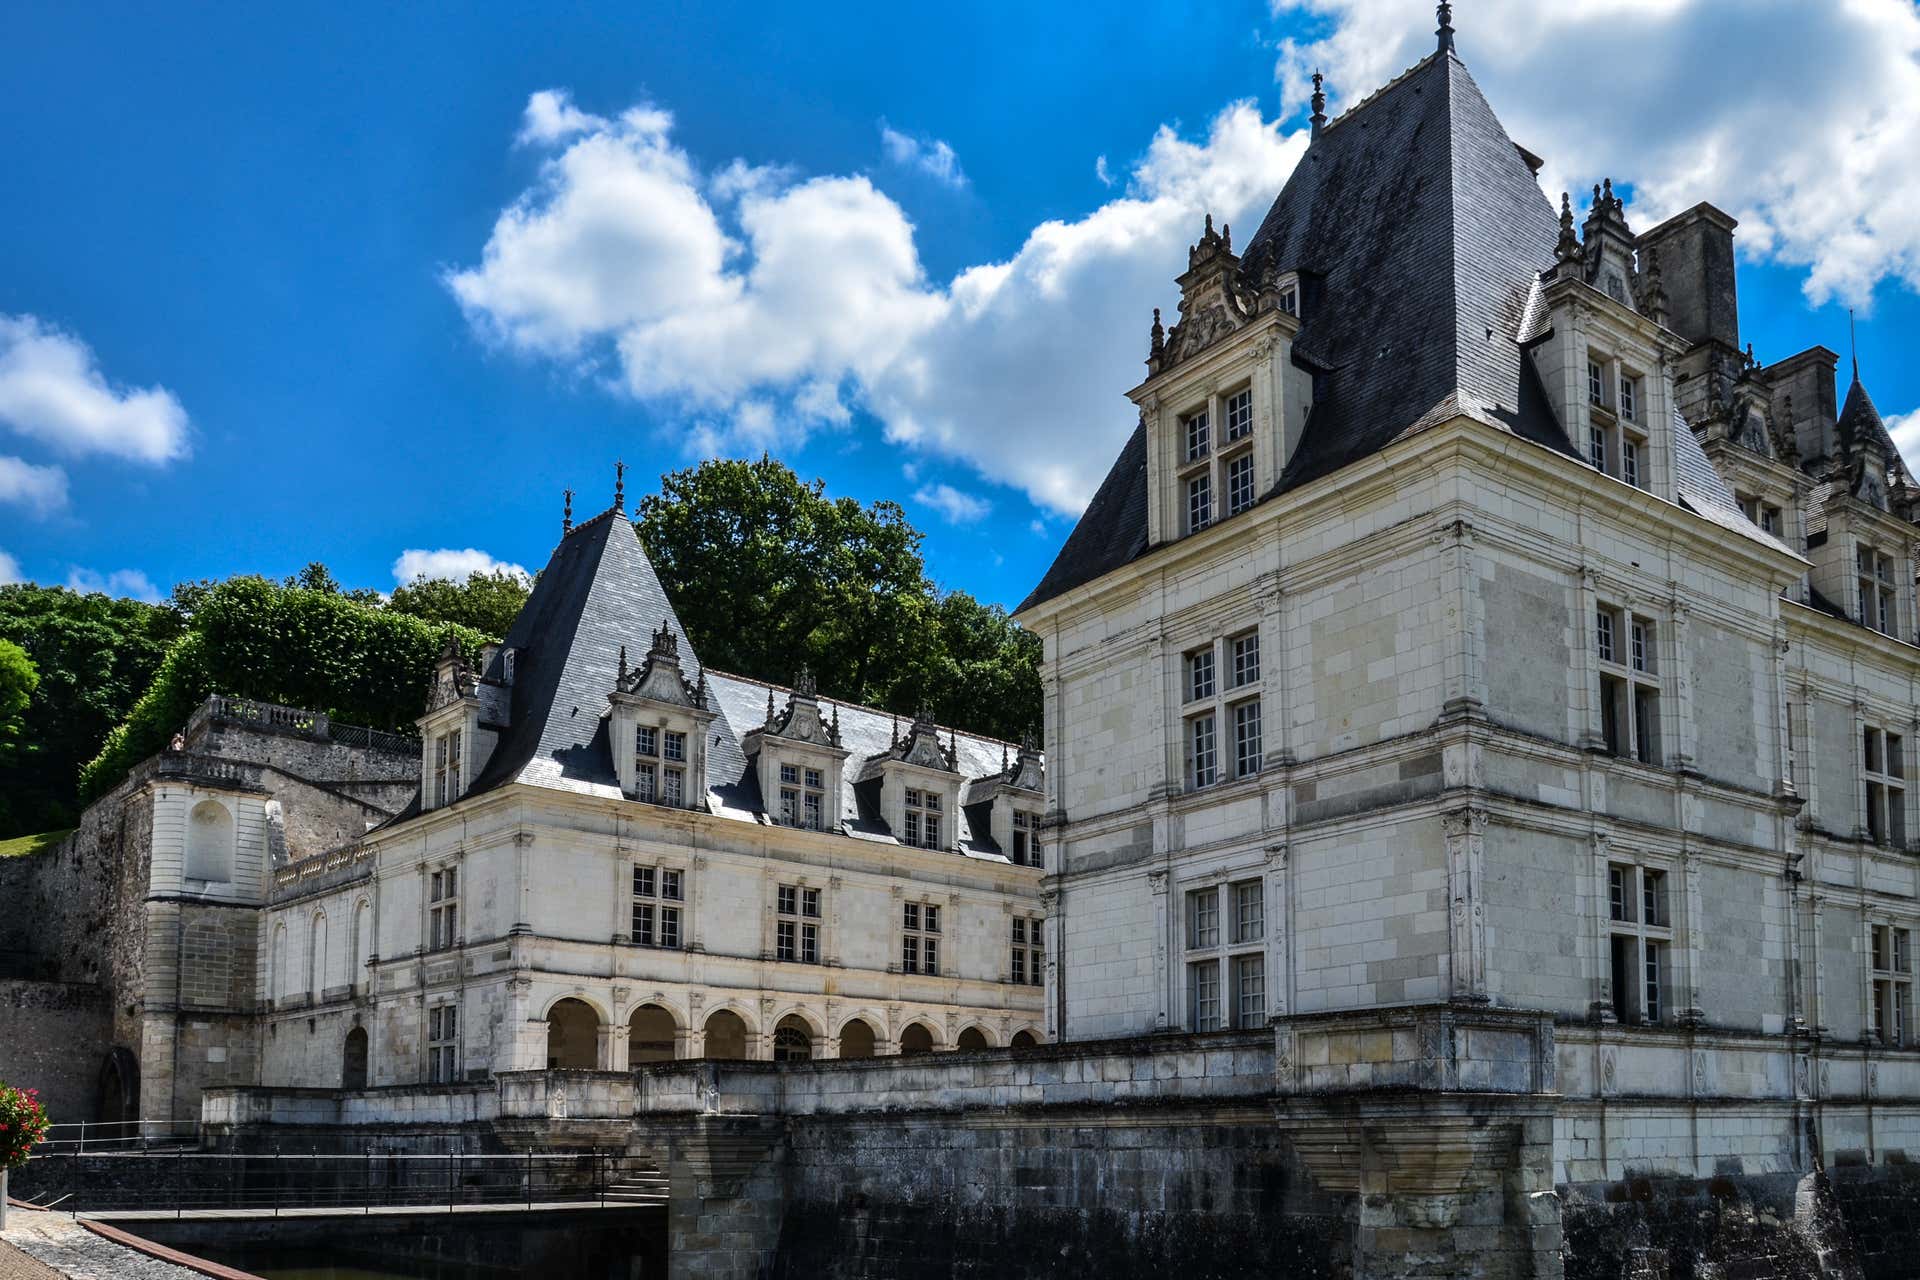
[(1466, 857), (725, 1199), (1165, 922), (1279, 933)]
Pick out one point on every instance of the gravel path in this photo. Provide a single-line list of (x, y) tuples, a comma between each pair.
[(46, 1246)]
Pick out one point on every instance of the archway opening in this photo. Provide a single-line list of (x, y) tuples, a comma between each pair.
[(117, 1098), (650, 1035), (970, 1039), (353, 1060), (856, 1040), (792, 1040), (726, 1035), (916, 1039), (209, 842), (1023, 1040), (573, 1036)]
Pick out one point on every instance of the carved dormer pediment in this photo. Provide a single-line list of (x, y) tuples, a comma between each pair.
[(801, 719), (798, 758), (1213, 302), (453, 676), (922, 747), (1608, 251), (661, 678), (1029, 768)]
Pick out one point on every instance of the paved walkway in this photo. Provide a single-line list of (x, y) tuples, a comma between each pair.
[(49, 1246)]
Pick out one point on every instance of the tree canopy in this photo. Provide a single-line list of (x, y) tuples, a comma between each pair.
[(301, 646), (769, 574), (486, 602), (95, 656)]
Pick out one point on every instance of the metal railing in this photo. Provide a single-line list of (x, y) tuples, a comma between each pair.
[(189, 1182), (354, 735), (78, 1137), (299, 720)]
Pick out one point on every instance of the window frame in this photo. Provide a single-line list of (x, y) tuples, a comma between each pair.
[(657, 906), (1641, 937), (1890, 982), (1883, 773), (1629, 683), (1223, 928)]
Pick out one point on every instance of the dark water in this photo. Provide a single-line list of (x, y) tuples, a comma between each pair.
[(476, 1248)]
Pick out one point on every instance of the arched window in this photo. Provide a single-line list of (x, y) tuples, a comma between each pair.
[(353, 1060), (726, 1035), (970, 1039), (210, 843), (1023, 1040), (278, 979), (573, 1036), (916, 1039), (856, 1040), (650, 1035), (792, 1040), (317, 955)]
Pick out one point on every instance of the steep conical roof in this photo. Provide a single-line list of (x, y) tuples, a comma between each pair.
[(597, 593), (1418, 229)]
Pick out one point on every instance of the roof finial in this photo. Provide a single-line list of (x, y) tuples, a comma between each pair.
[(623, 664), (1569, 246), (1446, 27), (566, 512), (1319, 102), (619, 485), (1853, 342), (1157, 345)]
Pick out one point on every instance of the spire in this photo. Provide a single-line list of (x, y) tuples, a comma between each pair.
[(623, 664), (566, 512), (1853, 344), (769, 706), (620, 486), (1157, 340), (1319, 102), (1446, 27), (1569, 246)]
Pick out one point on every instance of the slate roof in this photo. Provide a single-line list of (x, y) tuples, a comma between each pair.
[(599, 592), (1859, 417), (1421, 230)]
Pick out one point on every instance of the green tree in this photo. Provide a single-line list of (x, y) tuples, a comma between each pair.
[(95, 656), (18, 679), (294, 645), (486, 602), (769, 574)]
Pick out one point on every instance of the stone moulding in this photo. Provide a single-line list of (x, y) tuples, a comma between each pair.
[(1432, 1048)]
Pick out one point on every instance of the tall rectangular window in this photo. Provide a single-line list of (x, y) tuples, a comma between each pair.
[(921, 825), (443, 1043), (1240, 414), (1203, 757), (1249, 991), (1239, 483), (673, 774), (453, 766), (1199, 436), (657, 893), (1246, 659), (1026, 963), (920, 938), (1892, 983), (1639, 937), (797, 924), (1246, 738), (1023, 848), (440, 770), (646, 757), (1884, 768), (1203, 918), (1630, 463), (1597, 447), (1203, 995), (1200, 681), (1199, 502), (1629, 398), (1629, 684), (1596, 383), (1877, 597), (1249, 911), (443, 909)]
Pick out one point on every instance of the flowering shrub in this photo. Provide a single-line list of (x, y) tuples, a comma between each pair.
[(23, 1122)]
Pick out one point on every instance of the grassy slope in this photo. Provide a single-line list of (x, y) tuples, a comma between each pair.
[(32, 844)]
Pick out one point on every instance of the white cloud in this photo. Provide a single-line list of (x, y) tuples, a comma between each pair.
[(42, 490), (551, 116), (1039, 528), (956, 506), (121, 582), (456, 566), (930, 156), (1905, 430), (1101, 171), (51, 390), (1804, 125), (9, 570), (765, 307)]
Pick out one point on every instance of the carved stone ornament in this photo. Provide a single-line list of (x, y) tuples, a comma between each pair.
[(801, 720), (660, 678), (453, 677)]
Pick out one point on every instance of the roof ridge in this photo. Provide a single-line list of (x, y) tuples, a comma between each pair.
[(851, 705), (1377, 94)]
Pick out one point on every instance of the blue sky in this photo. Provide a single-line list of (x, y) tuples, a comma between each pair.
[(350, 283)]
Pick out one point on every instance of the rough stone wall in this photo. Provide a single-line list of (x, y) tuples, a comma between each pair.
[(1774, 1228), (896, 1197), (53, 1037), (1881, 1209)]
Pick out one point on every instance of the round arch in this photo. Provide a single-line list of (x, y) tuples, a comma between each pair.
[(793, 1039), (653, 1034), (1024, 1039), (592, 1002), (857, 1039), (353, 1060), (573, 1035), (117, 1094), (316, 954), (277, 980), (726, 1034), (210, 842), (916, 1038), (973, 1039)]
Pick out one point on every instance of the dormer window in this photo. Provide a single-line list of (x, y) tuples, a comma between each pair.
[(922, 825), (660, 765), (663, 716), (446, 768), (1877, 599), (1199, 502), (1629, 398), (1023, 846), (1290, 300), (1239, 484), (1199, 436), (1616, 444), (802, 797), (1596, 384), (1240, 415)]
